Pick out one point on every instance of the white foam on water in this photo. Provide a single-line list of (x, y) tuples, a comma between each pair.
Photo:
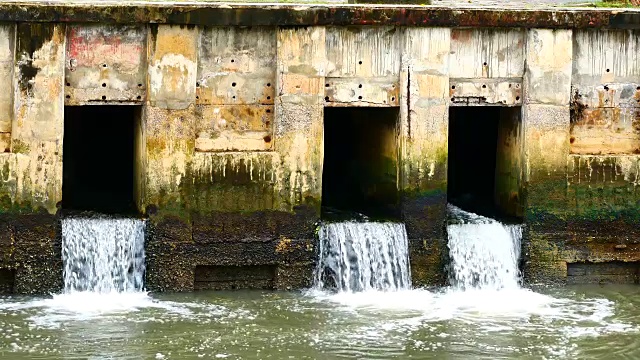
[(486, 310), (103, 272), (103, 261), (484, 253), (361, 256), (485, 292)]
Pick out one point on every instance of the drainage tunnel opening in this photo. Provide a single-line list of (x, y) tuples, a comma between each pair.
[(485, 161), (360, 162), (98, 158)]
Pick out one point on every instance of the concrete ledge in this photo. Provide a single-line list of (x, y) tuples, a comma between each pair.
[(260, 14)]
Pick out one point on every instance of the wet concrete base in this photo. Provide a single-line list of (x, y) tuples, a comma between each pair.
[(272, 250), (30, 252), (580, 250)]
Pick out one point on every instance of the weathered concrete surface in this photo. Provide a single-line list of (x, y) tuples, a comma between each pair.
[(105, 63), (546, 114), (172, 67), (424, 119), (213, 182), (31, 174), (30, 248), (603, 167), (229, 146), (220, 14), (509, 174), (7, 51)]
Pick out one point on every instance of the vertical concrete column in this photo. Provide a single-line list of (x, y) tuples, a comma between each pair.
[(547, 89), (8, 180), (299, 123), (424, 119), (7, 52), (301, 62), (38, 124), (168, 117), (36, 140), (166, 151)]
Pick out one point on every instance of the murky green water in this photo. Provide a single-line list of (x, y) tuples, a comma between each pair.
[(576, 322)]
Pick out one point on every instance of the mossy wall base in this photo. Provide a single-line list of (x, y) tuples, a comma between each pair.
[(30, 247)]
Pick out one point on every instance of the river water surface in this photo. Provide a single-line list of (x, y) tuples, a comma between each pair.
[(572, 322)]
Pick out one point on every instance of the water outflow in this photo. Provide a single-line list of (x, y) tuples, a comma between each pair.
[(360, 256), (103, 255), (484, 253)]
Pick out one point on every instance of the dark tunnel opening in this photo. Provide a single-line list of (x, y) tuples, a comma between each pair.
[(360, 163), (485, 164), (98, 159)]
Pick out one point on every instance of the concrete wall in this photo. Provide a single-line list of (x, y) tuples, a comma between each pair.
[(229, 147)]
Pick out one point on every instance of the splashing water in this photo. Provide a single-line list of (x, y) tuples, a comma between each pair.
[(361, 256), (484, 252), (103, 255)]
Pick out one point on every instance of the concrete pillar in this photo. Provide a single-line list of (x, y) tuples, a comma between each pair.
[(36, 144), (424, 119), (166, 149), (39, 111), (300, 112), (168, 118), (7, 52), (547, 87), (299, 122)]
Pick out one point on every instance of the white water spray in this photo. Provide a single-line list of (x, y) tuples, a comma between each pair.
[(361, 256), (103, 255), (484, 252)]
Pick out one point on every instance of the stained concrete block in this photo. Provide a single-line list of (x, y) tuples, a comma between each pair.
[(7, 52), (299, 116), (173, 66), (234, 128), (548, 66), (39, 104), (363, 52), (105, 62), (423, 141), (546, 140), (605, 56), (487, 53)]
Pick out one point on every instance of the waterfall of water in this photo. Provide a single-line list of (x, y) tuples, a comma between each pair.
[(103, 255), (484, 252), (360, 256)]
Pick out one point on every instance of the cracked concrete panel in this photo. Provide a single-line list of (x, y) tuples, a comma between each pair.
[(549, 62), (237, 66), (105, 63), (606, 56), (423, 141), (363, 52), (173, 66), (487, 53), (7, 51), (424, 107)]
